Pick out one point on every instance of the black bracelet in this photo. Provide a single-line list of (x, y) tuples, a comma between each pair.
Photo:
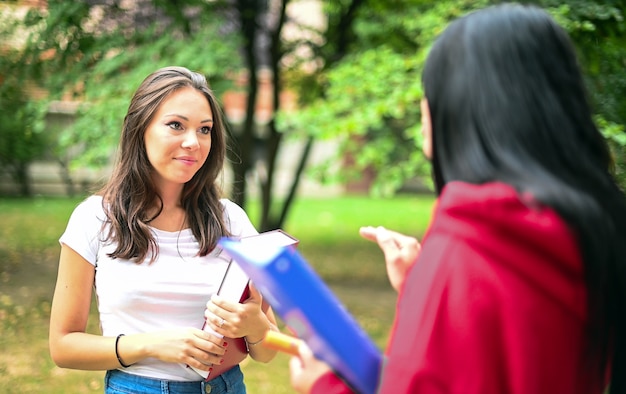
[(117, 354)]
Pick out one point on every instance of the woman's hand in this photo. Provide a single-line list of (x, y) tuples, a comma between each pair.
[(305, 370), (400, 252), (191, 346), (236, 320), (251, 319)]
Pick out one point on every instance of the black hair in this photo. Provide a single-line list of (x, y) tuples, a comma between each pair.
[(508, 103)]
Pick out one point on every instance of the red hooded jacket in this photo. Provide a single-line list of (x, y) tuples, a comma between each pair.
[(496, 303)]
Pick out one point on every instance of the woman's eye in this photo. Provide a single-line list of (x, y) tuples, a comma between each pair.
[(175, 125), (206, 130)]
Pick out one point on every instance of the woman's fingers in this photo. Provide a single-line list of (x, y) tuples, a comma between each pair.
[(305, 369), (400, 251)]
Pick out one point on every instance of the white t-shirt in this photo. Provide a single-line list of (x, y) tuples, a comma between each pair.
[(171, 292)]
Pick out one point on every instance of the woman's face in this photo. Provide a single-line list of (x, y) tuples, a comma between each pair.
[(178, 139), (427, 130)]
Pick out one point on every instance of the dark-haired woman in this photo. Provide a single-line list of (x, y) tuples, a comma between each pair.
[(519, 284), (147, 244)]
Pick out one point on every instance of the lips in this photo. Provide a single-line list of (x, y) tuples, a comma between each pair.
[(186, 160)]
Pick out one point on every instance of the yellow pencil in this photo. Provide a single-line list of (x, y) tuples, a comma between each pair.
[(282, 342)]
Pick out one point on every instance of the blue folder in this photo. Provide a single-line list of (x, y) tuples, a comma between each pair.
[(311, 310)]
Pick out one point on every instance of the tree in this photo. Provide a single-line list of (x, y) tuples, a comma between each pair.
[(357, 78), (101, 53), (258, 19), (371, 98), (599, 30), (21, 137)]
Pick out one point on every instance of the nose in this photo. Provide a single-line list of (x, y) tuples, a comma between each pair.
[(190, 140)]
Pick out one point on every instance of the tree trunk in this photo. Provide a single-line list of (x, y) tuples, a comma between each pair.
[(22, 178), (274, 217), (67, 178), (242, 162), (268, 222)]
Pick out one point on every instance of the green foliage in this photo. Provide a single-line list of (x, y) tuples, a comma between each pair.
[(56, 45), (599, 31), (21, 128), (21, 138), (616, 137), (108, 91), (101, 58), (21, 132), (371, 98), (364, 93)]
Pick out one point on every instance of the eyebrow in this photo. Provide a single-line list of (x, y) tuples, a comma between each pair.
[(187, 119)]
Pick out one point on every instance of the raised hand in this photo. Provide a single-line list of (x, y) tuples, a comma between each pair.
[(400, 251)]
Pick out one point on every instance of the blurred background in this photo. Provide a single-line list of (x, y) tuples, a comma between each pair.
[(321, 97), (322, 103)]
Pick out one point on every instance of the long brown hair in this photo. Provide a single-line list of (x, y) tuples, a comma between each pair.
[(130, 193)]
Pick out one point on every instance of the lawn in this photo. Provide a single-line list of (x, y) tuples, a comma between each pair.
[(329, 241)]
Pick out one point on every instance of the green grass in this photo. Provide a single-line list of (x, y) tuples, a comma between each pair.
[(329, 230), (329, 241)]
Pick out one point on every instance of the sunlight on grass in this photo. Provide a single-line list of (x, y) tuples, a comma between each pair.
[(334, 220)]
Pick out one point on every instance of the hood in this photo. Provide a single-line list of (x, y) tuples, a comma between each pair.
[(517, 233)]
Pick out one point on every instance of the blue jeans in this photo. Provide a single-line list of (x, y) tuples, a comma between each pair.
[(118, 382)]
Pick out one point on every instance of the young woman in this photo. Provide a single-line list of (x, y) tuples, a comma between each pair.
[(519, 284), (147, 244)]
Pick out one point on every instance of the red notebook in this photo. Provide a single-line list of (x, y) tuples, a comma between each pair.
[(234, 287)]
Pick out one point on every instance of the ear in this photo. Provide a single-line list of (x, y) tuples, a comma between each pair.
[(427, 130)]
